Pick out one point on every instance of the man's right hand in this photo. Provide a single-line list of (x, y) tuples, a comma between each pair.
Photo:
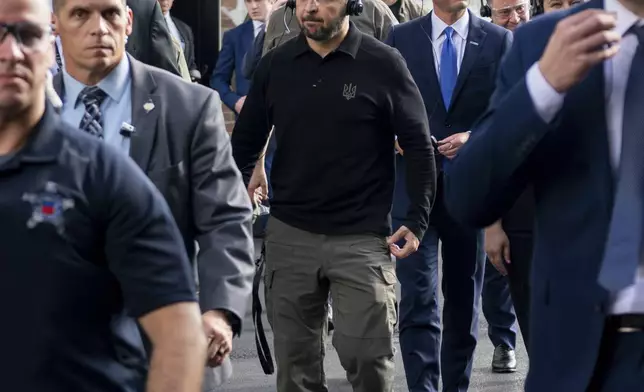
[(258, 185), (497, 247), (240, 104), (578, 43)]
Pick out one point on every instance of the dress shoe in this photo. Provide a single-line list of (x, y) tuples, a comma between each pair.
[(504, 360)]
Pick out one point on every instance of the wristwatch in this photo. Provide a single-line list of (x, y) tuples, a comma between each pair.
[(233, 320)]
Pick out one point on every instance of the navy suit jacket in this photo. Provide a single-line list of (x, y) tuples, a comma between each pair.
[(567, 162), (235, 44), (486, 44), (252, 57)]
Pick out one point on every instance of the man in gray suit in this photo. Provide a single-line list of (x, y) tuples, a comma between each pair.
[(175, 132)]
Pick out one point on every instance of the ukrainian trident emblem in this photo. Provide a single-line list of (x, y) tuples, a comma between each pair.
[(349, 91)]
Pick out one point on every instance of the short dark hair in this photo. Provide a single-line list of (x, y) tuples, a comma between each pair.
[(58, 4)]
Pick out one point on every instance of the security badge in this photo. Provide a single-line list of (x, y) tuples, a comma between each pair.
[(48, 206)]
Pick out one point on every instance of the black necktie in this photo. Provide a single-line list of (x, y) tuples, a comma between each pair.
[(92, 122), (623, 251)]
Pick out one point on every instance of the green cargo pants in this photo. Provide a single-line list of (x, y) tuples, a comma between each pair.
[(301, 268)]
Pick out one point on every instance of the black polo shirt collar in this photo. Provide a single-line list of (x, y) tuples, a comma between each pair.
[(43, 145), (349, 45)]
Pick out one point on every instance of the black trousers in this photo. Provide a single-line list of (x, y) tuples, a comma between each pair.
[(620, 366), (521, 244)]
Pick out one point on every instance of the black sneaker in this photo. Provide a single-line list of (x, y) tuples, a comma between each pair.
[(504, 360)]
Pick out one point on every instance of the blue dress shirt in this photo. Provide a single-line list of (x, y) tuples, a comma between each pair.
[(115, 110)]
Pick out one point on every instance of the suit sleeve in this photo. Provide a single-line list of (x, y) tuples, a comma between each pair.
[(411, 126), (223, 73), (162, 53), (391, 37), (143, 246), (222, 217), (492, 168), (383, 20)]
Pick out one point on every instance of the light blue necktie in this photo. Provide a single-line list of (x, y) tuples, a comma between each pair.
[(448, 70), (624, 247)]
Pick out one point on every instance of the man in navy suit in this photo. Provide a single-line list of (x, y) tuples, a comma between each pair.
[(505, 289), (566, 118), (235, 44), (453, 57)]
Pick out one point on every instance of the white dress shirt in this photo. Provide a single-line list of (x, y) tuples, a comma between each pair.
[(257, 27), (459, 38), (548, 102)]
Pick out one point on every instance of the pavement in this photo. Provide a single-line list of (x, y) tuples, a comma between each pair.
[(249, 377)]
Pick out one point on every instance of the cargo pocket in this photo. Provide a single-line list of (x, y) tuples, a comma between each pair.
[(388, 273)]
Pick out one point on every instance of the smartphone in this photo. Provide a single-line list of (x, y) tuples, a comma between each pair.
[(434, 142)]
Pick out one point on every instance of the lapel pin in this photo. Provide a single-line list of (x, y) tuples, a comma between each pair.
[(148, 107), (474, 43)]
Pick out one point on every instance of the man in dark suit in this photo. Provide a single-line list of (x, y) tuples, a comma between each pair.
[(569, 123), (175, 132), (455, 75), (183, 34), (235, 44), (506, 284), (150, 41)]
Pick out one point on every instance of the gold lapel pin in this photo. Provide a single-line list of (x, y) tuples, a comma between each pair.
[(148, 107)]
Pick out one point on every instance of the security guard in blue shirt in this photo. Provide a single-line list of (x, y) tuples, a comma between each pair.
[(88, 246)]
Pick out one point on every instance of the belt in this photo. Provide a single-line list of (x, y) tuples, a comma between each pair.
[(626, 323), (263, 349)]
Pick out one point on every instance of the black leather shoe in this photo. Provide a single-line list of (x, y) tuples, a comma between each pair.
[(504, 360)]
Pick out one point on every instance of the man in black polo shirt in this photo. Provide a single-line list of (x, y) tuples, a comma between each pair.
[(337, 99), (87, 246)]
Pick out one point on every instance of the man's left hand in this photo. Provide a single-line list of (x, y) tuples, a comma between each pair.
[(219, 334), (411, 243), (399, 150), (449, 146)]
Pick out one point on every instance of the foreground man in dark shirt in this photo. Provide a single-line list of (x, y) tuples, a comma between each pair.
[(337, 98), (83, 237)]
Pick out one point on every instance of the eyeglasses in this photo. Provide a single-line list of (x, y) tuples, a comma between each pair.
[(506, 12), (29, 36)]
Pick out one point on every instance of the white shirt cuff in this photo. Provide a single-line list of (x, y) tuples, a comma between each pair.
[(546, 100)]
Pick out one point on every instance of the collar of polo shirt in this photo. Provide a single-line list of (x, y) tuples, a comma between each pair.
[(349, 45), (43, 144)]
